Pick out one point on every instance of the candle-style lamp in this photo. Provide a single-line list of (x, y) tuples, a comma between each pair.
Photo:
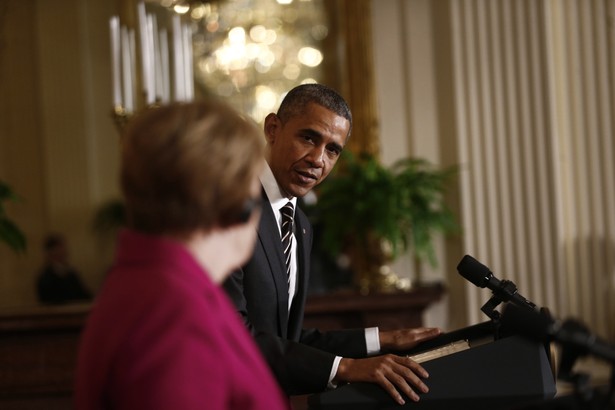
[(151, 59)]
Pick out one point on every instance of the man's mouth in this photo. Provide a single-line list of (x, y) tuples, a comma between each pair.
[(307, 177)]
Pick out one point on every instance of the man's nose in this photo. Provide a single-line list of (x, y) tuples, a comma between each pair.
[(316, 157)]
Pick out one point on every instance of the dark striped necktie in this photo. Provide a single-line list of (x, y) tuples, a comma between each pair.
[(287, 231)]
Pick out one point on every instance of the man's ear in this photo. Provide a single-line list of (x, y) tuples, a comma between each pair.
[(272, 127)]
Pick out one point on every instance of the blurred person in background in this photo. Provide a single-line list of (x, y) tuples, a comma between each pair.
[(58, 281)]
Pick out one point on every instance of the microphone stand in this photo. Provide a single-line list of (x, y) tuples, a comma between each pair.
[(586, 397), (505, 292), (579, 380), (608, 398), (489, 309)]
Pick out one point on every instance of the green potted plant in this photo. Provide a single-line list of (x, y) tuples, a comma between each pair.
[(372, 213), (10, 233)]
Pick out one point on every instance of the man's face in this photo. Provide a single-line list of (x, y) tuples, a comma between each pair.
[(304, 150)]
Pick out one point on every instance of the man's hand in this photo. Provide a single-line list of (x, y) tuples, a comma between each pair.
[(393, 373), (406, 339)]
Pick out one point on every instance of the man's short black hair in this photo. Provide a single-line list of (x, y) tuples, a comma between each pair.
[(299, 97)]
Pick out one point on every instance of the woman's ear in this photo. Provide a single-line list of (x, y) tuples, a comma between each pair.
[(272, 126)]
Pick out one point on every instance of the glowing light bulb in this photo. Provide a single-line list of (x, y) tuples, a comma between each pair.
[(181, 8), (309, 56)]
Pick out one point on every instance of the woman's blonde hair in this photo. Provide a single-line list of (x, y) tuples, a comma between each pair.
[(188, 166)]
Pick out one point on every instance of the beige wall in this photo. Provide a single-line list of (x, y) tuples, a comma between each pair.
[(20, 150), (58, 147)]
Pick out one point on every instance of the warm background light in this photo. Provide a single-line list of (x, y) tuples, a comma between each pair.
[(252, 51)]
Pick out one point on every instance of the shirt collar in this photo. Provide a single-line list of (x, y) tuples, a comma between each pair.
[(272, 189)]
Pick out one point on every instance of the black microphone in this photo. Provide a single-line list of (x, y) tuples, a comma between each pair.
[(569, 333), (481, 276)]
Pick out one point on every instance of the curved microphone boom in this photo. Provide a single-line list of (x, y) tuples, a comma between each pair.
[(503, 290), (481, 276)]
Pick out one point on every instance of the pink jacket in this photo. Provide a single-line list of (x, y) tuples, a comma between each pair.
[(162, 335)]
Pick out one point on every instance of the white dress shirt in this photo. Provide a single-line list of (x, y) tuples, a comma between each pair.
[(277, 200)]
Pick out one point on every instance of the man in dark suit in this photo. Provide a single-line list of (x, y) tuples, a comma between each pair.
[(304, 141)]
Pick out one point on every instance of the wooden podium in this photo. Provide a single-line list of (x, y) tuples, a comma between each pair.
[(494, 373)]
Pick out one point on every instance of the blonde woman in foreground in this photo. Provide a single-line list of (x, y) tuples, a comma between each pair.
[(162, 334)]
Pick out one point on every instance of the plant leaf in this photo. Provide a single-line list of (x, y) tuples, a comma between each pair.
[(402, 204), (12, 235)]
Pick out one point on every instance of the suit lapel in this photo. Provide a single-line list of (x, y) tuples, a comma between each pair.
[(269, 236)]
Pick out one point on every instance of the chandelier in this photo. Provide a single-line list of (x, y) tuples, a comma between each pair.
[(249, 52)]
